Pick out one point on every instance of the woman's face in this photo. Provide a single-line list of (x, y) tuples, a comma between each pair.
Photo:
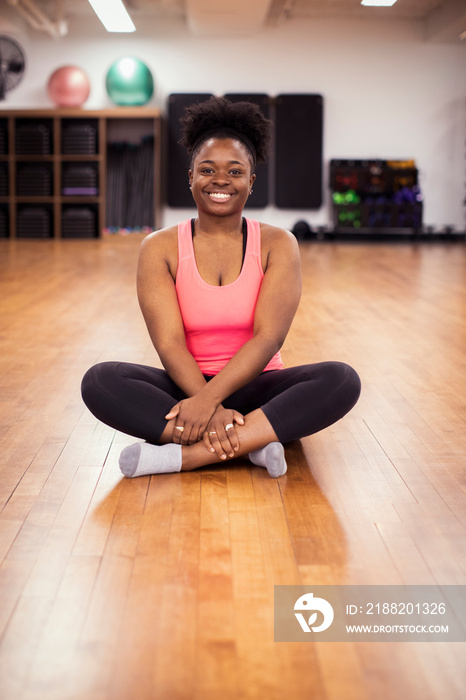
[(221, 177)]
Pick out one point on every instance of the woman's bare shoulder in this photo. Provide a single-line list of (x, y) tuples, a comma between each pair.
[(160, 249), (164, 238), (273, 236), (277, 244)]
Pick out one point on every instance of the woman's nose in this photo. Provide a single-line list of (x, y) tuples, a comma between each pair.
[(221, 178)]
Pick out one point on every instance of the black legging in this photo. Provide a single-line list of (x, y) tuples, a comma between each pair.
[(297, 401)]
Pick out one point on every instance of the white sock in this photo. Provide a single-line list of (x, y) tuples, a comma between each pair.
[(142, 458), (272, 457)]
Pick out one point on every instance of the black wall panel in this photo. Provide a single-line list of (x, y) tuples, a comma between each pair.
[(298, 151), (178, 192), (260, 195)]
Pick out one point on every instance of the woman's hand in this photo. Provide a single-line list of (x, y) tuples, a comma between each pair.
[(192, 417), (221, 436)]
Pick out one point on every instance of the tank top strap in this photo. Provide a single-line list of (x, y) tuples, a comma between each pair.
[(185, 247), (254, 237)]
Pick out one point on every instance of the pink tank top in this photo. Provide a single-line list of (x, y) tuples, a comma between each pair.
[(218, 320)]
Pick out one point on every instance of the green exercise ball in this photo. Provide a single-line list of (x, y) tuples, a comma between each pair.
[(129, 82)]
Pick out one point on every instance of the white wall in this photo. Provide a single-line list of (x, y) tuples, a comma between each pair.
[(387, 92)]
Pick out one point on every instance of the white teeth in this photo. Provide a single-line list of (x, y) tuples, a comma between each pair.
[(219, 195)]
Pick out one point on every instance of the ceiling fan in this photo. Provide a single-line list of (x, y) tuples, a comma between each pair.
[(12, 63)]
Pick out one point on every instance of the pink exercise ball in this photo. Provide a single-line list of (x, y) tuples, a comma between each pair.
[(68, 86)]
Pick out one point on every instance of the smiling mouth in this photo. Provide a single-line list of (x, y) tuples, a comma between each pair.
[(219, 196)]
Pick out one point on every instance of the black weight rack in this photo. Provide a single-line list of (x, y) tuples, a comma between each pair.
[(375, 196)]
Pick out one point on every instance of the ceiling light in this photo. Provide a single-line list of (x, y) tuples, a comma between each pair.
[(378, 3), (113, 15)]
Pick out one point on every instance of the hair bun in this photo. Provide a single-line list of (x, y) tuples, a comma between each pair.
[(217, 115)]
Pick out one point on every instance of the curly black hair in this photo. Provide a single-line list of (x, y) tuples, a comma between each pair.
[(220, 117)]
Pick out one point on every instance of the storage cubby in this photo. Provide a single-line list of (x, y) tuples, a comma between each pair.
[(34, 221), (381, 195), (53, 171), (80, 137), (34, 137), (79, 221), (80, 179), (34, 179)]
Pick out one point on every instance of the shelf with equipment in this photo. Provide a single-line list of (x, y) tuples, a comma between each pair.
[(57, 170), (370, 196)]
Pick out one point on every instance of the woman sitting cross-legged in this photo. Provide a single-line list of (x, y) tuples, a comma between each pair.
[(218, 294)]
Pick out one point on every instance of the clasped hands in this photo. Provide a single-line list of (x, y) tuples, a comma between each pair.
[(196, 420)]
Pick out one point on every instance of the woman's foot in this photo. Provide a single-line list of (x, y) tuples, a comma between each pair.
[(142, 458), (272, 457)]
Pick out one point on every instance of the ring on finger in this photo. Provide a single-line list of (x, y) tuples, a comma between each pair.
[(179, 427), (212, 432), (229, 426)]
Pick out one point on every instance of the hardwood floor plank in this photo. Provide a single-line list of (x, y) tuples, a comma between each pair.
[(90, 670), (58, 640), (20, 644), (52, 559), (444, 555), (155, 530)]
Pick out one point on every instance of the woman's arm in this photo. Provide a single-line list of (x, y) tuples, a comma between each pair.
[(159, 306)]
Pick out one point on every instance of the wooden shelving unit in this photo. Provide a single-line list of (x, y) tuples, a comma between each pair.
[(51, 204)]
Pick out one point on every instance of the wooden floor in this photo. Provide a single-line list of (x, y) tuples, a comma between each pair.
[(162, 588)]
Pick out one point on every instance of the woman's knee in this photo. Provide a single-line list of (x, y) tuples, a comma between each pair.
[(96, 380), (347, 380)]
